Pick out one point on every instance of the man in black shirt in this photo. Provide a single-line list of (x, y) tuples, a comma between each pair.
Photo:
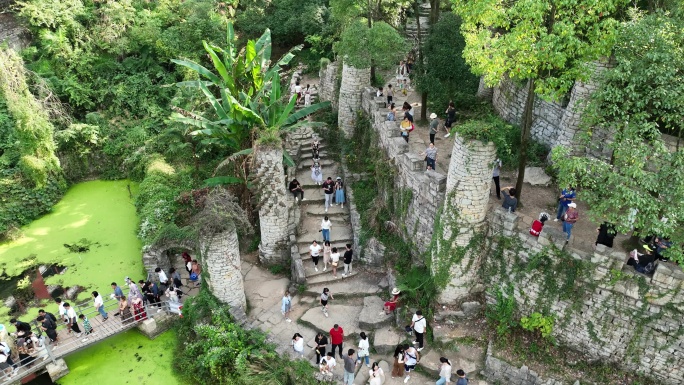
[(296, 188), (49, 326), (328, 189), (23, 329), (47, 315), (348, 254)]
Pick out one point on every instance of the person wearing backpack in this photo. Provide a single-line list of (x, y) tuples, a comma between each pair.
[(411, 359), (419, 324)]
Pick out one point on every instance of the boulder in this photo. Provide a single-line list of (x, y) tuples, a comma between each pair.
[(373, 314), (536, 176), (385, 340), (471, 309)]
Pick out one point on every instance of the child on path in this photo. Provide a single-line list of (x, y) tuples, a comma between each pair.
[(87, 328), (335, 260), (325, 297), (328, 363), (307, 96), (317, 173), (390, 95), (348, 254), (286, 306)]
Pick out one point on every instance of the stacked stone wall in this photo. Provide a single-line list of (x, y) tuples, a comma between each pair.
[(274, 207), (467, 197), (629, 319), (328, 85), (427, 187), (221, 257), (555, 123), (353, 82)]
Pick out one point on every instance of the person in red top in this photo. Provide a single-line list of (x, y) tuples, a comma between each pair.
[(336, 338), (391, 305), (539, 224)]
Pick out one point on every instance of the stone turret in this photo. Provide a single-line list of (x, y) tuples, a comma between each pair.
[(467, 196)]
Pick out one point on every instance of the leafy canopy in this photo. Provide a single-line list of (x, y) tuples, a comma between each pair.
[(548, 40), (641, 96), (362, 47)]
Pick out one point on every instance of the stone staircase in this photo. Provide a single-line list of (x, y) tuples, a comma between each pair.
[(313, 90), (412, 26)]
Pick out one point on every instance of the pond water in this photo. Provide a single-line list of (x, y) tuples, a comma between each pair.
[(103, 214), (129, 358)]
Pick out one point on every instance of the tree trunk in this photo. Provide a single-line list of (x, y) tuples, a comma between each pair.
[(423, 96), (434, 11), (525, 138), (372, 73)]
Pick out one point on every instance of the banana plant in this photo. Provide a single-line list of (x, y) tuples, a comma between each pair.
[(246, 97)]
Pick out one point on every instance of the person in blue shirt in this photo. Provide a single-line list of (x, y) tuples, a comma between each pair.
[(567, 196)]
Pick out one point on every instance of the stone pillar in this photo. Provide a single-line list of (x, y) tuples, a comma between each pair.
[(273, 210), (467, 196), (221, 256), (57, 369), (484, 92), (353, 82)]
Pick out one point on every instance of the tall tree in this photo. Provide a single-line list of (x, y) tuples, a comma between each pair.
[(548, 44), (640, 182), (378, 46)]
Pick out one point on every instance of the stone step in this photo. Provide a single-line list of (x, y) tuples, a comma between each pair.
[(319, 211), (304, 250), (324, 162), (307, 155), (359, 285), (326, 276), (311, 271), (335, 242)]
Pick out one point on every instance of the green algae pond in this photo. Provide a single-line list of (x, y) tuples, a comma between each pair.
[(100, 216), (128, 358)]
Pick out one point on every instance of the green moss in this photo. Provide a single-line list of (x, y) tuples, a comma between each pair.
[(128, 358), (101, 212)]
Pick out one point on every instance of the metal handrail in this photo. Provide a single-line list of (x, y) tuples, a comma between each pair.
[(54, 351)]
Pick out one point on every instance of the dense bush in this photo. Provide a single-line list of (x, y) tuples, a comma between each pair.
[(445, 75), (506, 138), (212, 349)]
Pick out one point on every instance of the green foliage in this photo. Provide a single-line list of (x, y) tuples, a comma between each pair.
[(544, 40), (537, 322), (213, 349), (363, 47), (445, 76), (502, 312), (506, 137), (643, 176), (645, 88), (638, 99), (156, 200), (290, 21)]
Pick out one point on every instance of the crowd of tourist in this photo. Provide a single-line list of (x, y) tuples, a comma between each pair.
[(29, 342)]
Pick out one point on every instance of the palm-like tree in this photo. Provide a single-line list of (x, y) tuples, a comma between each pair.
[(251, 114)]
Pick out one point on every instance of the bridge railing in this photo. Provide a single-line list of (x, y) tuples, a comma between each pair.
[(65, 344)]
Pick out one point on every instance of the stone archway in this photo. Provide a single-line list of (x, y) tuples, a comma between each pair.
[(155, 256)]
